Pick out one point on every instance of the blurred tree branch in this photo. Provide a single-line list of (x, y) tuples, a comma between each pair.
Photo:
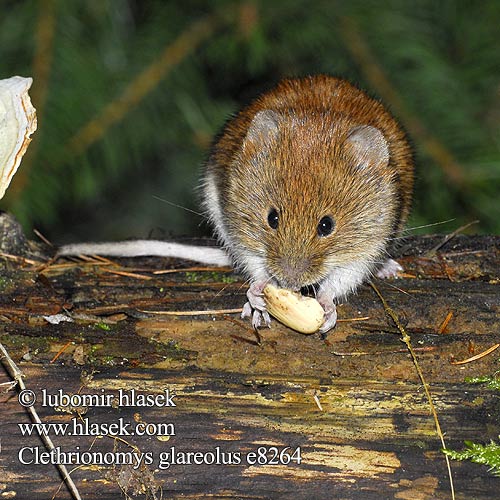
[(377, 78), (142, 84)]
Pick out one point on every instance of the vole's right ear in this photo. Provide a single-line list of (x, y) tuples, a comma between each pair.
[(263, 129), (367, 147)]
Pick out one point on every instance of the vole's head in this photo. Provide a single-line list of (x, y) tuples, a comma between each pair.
[(307, 194)]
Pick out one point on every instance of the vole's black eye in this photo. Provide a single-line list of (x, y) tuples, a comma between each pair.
[(272, 218), (326, 226)]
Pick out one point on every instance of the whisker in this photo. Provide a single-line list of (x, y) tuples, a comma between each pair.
[(179, 206), (408, 229)]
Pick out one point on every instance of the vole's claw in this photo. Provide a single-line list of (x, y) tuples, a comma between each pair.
[(255, 308), (330, 314), (256, 297), (330, 321), (256, 319), (260, 318), (266, 318), (246, 312)]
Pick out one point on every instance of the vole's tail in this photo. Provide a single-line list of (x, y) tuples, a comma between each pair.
[(213, 256)]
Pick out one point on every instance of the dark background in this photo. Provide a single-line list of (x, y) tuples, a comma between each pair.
[(130, 93)]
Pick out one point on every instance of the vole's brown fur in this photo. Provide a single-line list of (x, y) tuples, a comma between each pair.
[(305, 186), (309, 148)]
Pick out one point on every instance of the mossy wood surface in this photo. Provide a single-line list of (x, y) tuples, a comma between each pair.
[(353, 402)]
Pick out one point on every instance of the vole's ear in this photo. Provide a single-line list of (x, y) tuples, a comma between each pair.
[(263, 129), (367, 147)]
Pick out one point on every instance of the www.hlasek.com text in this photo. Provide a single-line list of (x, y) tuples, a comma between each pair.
[(84, 427)]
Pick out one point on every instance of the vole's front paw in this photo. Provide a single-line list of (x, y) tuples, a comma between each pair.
[(330, 316), (390, 269), (256, 306)]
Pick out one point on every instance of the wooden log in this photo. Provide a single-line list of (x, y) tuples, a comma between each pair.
[(248, 406)]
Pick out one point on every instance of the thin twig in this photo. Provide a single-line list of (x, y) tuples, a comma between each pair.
[(61, 350), (317, 401), (62, 482), (127, 274), (351, 320), (42, 237), (70, 265), (448, 237), (444, 324), (105, 260), (407, 340), (192, 269), (11, 384), (18, 258), (477, 356), (193, 313), (18, 376), (383, 352)]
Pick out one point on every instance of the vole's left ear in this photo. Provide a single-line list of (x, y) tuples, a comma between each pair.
[(367, 147), (263, 130)]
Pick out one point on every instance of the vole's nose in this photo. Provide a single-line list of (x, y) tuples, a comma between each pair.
[(292, 272)]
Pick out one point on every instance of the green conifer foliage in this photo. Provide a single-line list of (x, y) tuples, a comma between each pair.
[(129, 94)]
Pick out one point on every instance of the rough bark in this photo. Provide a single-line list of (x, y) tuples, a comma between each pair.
[(353, 402)]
